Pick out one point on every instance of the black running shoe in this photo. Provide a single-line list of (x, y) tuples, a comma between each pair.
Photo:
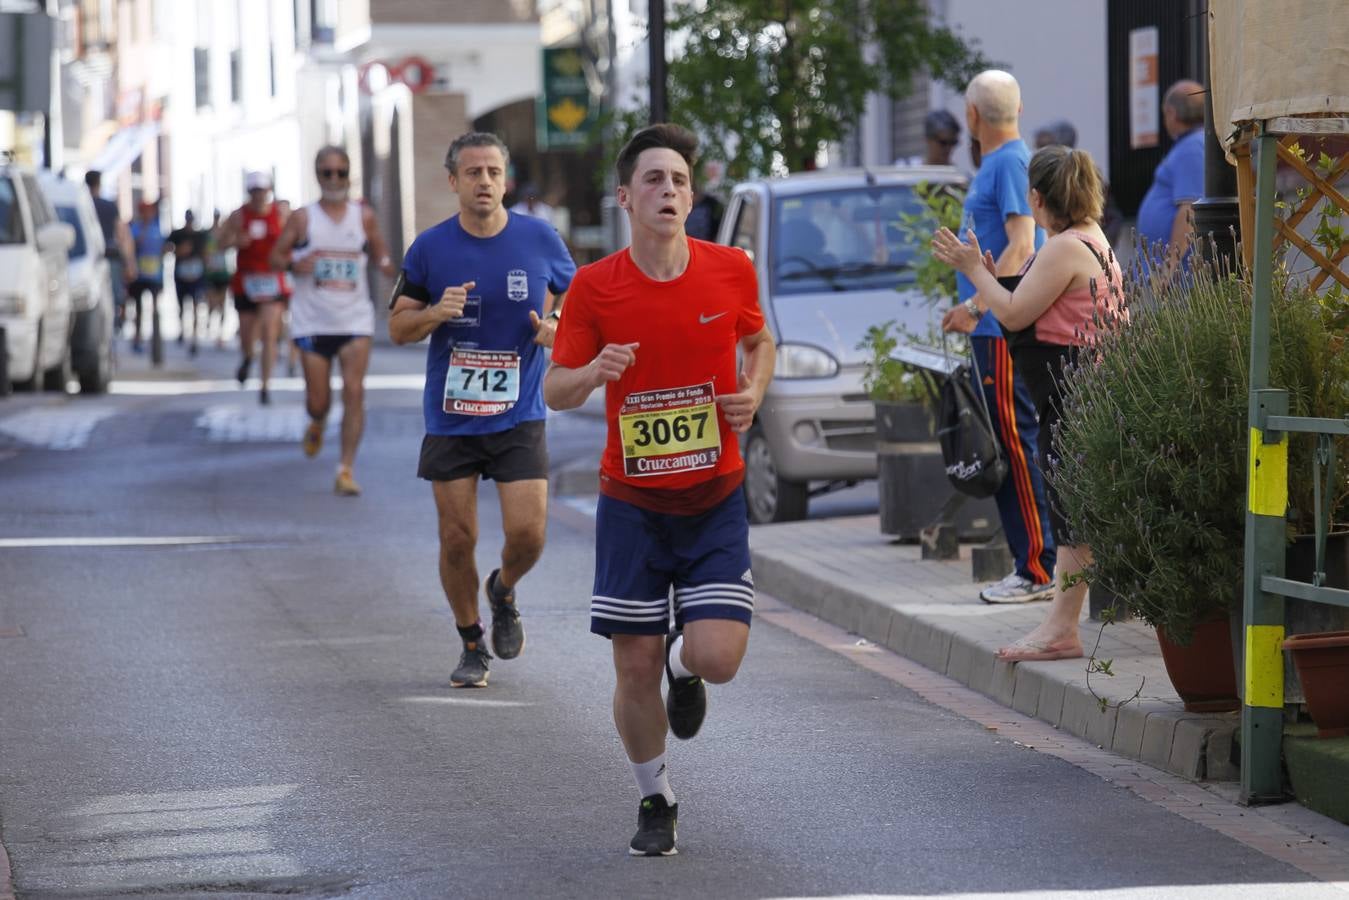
[(472, 671), (508, 635), (656, 822), (241, 375), (686, 701)]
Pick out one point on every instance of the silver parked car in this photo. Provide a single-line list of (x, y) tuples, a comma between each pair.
[(91, 293), (832, 261), (35, 314)]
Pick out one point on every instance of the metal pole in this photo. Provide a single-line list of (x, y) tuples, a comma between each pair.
[(656, 58), (1267, 502), (1217, 214)]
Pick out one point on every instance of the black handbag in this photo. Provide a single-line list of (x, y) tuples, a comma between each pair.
[(971, 451)]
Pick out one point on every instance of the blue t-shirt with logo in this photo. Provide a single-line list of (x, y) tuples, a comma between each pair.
[(1179, 177), (998, 190), (149, 241), (484, 373)]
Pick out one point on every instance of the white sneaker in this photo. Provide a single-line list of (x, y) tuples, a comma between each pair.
[(1015, 589)]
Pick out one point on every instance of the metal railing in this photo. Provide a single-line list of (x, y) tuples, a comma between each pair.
[(1265, 587)]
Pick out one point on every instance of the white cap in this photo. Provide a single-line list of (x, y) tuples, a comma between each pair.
[(257, 181)]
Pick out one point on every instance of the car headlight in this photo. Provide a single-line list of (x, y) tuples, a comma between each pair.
[(804, 361), (13, 304)]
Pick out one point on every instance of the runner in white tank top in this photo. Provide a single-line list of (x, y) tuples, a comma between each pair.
[(335, 298), (326, 245)]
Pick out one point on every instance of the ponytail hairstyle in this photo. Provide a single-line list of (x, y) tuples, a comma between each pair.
[(1070, 184)]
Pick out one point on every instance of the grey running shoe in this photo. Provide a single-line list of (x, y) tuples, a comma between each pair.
[(656, 822), (686, 701), (508, 635), (472, 671), (1017, 589)]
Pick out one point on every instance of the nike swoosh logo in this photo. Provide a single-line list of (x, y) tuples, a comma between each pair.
[(703, 320)]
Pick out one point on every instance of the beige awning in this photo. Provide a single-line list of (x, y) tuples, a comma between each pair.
[(1270, 58)]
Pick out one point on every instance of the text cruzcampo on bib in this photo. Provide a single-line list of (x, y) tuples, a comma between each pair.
[(670, 430)]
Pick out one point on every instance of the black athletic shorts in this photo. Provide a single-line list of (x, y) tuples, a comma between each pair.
[(191, 289), (519, 454), (325, 345)]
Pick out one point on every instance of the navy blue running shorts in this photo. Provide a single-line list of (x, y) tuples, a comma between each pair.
[(640, 555)]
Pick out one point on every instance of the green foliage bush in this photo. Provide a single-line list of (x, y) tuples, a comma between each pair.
[(941, 205), (1154, 442), (888, 380)]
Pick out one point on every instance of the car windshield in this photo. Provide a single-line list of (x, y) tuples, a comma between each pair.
[(843, 240), (71, 217), (11, 227)]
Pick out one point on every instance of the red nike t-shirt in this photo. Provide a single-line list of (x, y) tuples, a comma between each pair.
[(669, 448)]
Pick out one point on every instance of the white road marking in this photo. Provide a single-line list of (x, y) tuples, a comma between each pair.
[(464, 701), (16, 543), (167, 837), (55, 428), (221, 386)]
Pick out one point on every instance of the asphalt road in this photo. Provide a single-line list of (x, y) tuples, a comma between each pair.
[(267, 711)]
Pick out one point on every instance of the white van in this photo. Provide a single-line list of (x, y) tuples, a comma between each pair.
[(34, 291), (91, 296)]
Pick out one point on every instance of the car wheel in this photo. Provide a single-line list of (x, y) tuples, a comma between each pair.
[(58, 376), (768, 496), (97, 379)]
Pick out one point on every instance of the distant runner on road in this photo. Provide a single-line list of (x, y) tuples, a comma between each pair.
[(327, 246), (658, 326), (483, 285), (260, 293)]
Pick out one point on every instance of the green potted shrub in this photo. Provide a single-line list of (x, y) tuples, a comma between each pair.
[(1153, 469)]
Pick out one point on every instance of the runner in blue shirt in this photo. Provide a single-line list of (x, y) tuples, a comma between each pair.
[(150, 244), (485, 284)]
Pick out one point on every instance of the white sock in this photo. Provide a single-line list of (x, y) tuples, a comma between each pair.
[(652, 778), (676, 659)]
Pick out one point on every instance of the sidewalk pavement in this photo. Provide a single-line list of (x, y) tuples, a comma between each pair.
[(846, 572)]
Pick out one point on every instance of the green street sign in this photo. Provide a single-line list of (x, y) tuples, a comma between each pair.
[(565, 111)]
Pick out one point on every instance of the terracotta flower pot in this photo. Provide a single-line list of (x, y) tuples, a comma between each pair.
[(1322, 662), (1203, 673)]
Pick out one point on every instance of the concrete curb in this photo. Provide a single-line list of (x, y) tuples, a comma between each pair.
[(1150, 729)]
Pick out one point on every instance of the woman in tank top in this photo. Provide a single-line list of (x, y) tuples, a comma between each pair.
[(326, 246), (1068, 290)]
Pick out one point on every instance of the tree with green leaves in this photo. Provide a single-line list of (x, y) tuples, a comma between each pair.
[(766, 83)]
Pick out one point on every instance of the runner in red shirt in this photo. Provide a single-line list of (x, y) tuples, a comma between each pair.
[(659, 325), (259, 292)]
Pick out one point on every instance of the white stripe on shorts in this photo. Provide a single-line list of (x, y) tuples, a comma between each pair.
[(629, 610), (729, 594)]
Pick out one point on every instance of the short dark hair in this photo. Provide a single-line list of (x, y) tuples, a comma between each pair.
[(660, 135), (330, 149), (939, 122), (1060, 131), (93, 178), (474, 139)]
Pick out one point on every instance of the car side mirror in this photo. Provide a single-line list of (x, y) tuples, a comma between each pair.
[(56, 236)]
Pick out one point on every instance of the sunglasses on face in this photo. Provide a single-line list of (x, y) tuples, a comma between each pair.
[(334, 173), (946, 142)]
